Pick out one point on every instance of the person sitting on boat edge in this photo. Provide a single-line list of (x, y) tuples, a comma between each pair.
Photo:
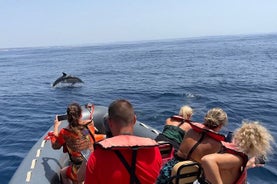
[(250, 140), (176, 127), (201, 140), (123, 158), (74, 138)]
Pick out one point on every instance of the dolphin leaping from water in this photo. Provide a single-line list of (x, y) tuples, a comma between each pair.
[(67, 79)]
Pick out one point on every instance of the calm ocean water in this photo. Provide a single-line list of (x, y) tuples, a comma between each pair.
[(236, 73)]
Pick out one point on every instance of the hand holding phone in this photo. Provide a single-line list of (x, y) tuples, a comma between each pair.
[(62, 117), (229, 137), (260, 160)]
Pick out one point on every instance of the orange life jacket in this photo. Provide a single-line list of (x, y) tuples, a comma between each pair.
[(92, 138)]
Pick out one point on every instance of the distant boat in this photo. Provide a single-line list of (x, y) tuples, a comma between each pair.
[(69, 79)]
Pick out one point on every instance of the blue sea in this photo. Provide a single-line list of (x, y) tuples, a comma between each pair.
[(236, 73)]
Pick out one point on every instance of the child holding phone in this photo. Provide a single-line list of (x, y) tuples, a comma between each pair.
[(74, 138)]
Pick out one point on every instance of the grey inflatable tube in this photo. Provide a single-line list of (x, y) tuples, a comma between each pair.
[(42, 164)]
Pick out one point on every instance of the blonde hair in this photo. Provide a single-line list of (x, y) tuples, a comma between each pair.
[(253, 139), (186, 112), (215, 117)]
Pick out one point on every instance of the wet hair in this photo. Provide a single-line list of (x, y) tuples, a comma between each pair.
[(253, 139), (186, 112), (215, 117), (121, 111), (74, 113)]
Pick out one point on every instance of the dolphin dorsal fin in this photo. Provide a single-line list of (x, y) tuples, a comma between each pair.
[(64, 74)]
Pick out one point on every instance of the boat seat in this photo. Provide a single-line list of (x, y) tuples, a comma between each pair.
[(166, 150), (185, 172)]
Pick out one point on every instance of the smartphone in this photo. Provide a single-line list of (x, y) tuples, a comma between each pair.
[(229, 137), (62, 117), (260, 160)]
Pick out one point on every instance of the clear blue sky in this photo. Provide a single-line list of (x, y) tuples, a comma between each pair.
[(25, 23)]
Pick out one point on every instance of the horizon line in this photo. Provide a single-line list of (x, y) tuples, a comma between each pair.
[(136, 41)]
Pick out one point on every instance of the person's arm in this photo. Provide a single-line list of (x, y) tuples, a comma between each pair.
[(252, 162), (57, 123), (54, 140), (214, 164)]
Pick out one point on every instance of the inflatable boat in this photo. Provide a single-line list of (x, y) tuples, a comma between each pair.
[(42, 164)]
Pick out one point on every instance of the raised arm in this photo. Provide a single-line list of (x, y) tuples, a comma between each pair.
[(54, 141)]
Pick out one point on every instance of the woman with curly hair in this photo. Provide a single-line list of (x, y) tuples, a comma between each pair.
[(250, 140), (74, 138)]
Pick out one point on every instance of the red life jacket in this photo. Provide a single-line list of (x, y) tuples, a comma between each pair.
[(133, 143), (127, 141), (232, 149), (200, 128), (180, 118)]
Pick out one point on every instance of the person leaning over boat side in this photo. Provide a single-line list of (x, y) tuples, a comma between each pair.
[(74, 138), (192, 148), (176, 127), (250, 140), (123, 158)]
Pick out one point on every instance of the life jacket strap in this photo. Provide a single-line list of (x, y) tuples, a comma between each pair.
[(180, 118), (131, 169), (195, 145)]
